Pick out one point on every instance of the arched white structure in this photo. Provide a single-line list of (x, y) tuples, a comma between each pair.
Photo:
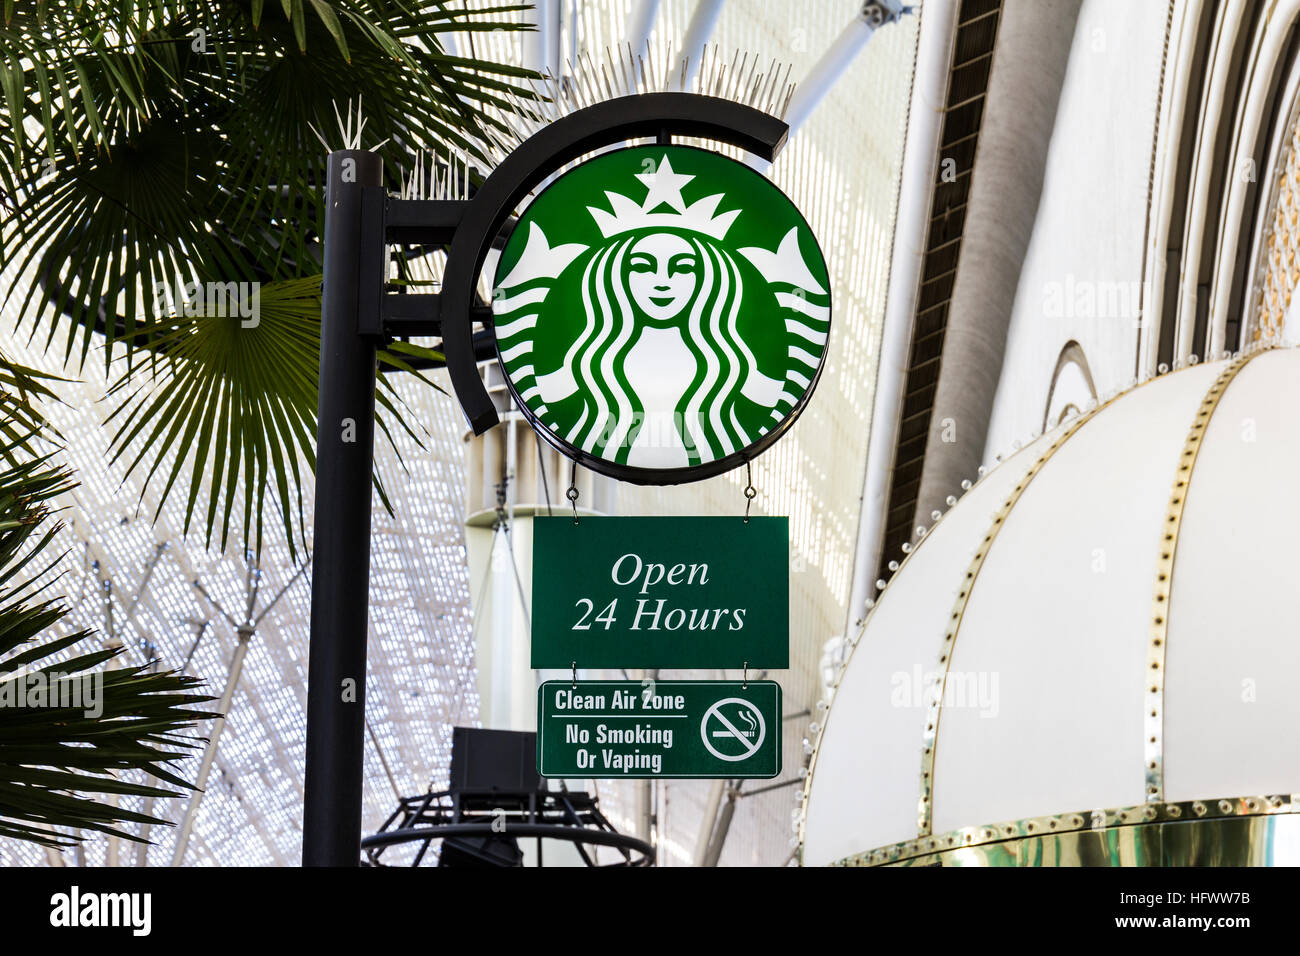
[(1011, 681)]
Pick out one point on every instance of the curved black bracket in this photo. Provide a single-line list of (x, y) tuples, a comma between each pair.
[(588, 129)]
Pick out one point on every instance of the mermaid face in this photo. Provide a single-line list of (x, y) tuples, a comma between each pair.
[(662, 276)]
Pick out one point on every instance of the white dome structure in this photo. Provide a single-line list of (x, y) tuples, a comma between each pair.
[(1090, 658)]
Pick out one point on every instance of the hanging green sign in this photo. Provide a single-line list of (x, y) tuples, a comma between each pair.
[(661, 313), (661, 592), (680, 728)]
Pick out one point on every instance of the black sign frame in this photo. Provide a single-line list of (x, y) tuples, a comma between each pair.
[(658, 115)]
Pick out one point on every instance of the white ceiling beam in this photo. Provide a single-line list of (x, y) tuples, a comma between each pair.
[(542, 44), (698, 32), (826, 72), (920, 160), (640, 24), (1230, 22)]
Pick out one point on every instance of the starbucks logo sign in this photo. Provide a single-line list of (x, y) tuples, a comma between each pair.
[(661, 313)]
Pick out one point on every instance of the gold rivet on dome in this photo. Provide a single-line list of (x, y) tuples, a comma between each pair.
[(1174, 810), (1225, 806)]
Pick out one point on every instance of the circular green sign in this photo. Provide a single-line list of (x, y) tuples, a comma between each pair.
[(661, 313)]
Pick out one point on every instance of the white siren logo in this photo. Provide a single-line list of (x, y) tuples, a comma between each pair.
[(664, 332)]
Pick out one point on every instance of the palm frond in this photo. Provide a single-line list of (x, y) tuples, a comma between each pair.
[(156, 159), (57, 752), (23, 425), (232, 406), (160, 142)]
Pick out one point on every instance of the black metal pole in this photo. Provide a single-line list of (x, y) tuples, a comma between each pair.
[(340, 578)]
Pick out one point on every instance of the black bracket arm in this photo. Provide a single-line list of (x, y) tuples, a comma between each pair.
[(409, 222)]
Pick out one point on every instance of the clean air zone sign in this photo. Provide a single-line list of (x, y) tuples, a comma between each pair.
[(661, 313), (681, 728)]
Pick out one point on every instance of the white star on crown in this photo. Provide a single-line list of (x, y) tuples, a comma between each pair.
[(664, 187)]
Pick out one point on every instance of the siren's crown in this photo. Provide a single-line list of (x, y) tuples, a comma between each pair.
[(663, 186)]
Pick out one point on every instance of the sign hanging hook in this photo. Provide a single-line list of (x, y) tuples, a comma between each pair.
[(750, 491), (575, 675), (744, 675), (572, 493)]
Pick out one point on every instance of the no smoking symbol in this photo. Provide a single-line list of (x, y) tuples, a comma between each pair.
[(733, 729)]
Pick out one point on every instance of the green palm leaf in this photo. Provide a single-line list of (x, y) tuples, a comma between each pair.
[(234, 408), (55, 759), (159, 141), (22, 423)]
